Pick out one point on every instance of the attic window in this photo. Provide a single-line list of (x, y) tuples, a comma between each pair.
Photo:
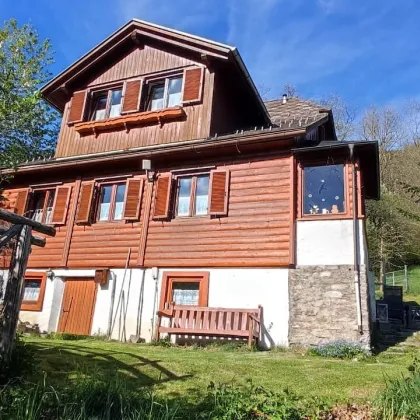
[(165, 93), (323, 190), (106, 104)]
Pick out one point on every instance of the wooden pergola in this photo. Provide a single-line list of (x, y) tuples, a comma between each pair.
[(11, 292)]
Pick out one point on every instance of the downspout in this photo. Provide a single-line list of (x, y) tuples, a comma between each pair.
[(356, 267), (155, 276), (111, 308)]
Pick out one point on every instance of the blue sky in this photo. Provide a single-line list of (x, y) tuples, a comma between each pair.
[(367, 51)]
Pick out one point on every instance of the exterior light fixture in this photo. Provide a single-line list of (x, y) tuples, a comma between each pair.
[(147, 166)]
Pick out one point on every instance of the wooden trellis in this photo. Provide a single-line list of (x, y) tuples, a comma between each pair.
[(11, 291)]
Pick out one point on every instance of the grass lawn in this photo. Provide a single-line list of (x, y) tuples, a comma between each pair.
[(186, 372)]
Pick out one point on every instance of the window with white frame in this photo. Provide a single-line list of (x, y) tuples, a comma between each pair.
[(193, 195), (106, 104), (164, 93), (111, 202), (41, 206)]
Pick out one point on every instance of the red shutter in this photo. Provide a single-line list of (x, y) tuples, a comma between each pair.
[(193, 85), (85, 203), (132, 94), (163, 196), (219, 192), (21, 202), (77, 107), (133, 195), (61, 204)]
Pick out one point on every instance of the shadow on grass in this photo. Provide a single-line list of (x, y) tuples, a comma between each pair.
[(64, 363)]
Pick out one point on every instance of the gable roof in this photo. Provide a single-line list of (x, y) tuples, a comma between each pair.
[(134, 32)]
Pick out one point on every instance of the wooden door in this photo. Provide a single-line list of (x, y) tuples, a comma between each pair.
[(78, 306)]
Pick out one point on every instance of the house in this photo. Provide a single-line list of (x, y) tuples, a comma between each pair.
[(173, 182)]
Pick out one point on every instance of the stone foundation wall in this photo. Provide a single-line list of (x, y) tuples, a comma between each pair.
[(323, 305)]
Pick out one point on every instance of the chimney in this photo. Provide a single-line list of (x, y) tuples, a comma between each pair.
[(284, 98)]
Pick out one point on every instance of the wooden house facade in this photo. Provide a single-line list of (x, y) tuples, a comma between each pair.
[(174, 185)]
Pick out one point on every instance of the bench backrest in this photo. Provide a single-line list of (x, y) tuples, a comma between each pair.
[(214, 319)]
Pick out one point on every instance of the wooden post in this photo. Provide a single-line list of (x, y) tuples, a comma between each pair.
[(12, 295), (406, 277)]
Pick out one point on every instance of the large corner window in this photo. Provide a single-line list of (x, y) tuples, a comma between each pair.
[(323, 190), (193, 195), (106, 104), (164, 93), (34, 290), (41, 206), (111, 202)]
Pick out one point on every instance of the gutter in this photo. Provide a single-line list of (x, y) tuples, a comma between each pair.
[(188, 145), (356, 264)]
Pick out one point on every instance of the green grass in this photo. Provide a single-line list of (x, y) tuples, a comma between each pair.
[(186, 372)]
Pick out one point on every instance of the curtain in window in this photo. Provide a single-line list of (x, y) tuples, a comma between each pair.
[(174, 91), (185, 293), (115, 109), (184, 196), (32, 290), (105, 203), (202, 196), (119, 202)]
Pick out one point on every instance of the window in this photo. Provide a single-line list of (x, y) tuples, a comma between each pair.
[(106, 104), (34, 290), (323, 189), (41, 206), (111, 202), (165, 94), (193, 195), (184, 289)]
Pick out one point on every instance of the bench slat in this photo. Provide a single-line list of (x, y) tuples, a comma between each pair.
[(187, 331)]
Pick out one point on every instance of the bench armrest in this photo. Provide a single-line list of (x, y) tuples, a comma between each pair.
[(166, 313), (253, 317)]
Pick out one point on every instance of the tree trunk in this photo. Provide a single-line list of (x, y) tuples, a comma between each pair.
[(12, 295)]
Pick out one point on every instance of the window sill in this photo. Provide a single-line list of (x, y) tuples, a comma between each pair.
[(131, 120), (340, 216), (31, 306)]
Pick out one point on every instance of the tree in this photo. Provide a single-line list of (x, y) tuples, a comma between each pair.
[(344, 116), (28, 126)]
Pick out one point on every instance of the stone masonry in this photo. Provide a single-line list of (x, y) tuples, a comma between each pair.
[(323, 305)]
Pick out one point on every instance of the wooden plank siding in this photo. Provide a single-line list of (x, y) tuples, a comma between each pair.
[(256, 231), (139, 63)]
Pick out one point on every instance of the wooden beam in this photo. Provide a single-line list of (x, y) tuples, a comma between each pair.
[(35, 240), (8, 234), (21, 220)]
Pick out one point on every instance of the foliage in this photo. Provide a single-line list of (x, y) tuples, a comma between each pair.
[(88, 398), (230, 402), (400, 399), (28, 126), (341, 350), (22, 360)]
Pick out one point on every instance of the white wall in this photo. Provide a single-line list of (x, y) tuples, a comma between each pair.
[(51, 301), (138, 295), (328, 242)]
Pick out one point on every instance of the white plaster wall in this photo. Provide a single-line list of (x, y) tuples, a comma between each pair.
[(328, 242), (42, 318), (137, 297)]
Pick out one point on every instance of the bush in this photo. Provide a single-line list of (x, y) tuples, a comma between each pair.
[(400, 399), (341, 350), (229, 402)]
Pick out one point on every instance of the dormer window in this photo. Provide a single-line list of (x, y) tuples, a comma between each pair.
[(165, 93), (106, 104)]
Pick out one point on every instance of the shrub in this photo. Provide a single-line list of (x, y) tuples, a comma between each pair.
[(341, 350), (229, 402), (400, 399)]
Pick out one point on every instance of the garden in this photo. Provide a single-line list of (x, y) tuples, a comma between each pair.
[(62, 377)]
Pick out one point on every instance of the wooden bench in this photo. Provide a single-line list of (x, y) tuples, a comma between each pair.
[(211, 322)]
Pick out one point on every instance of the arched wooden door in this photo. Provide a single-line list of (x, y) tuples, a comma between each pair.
[(78, 306)]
